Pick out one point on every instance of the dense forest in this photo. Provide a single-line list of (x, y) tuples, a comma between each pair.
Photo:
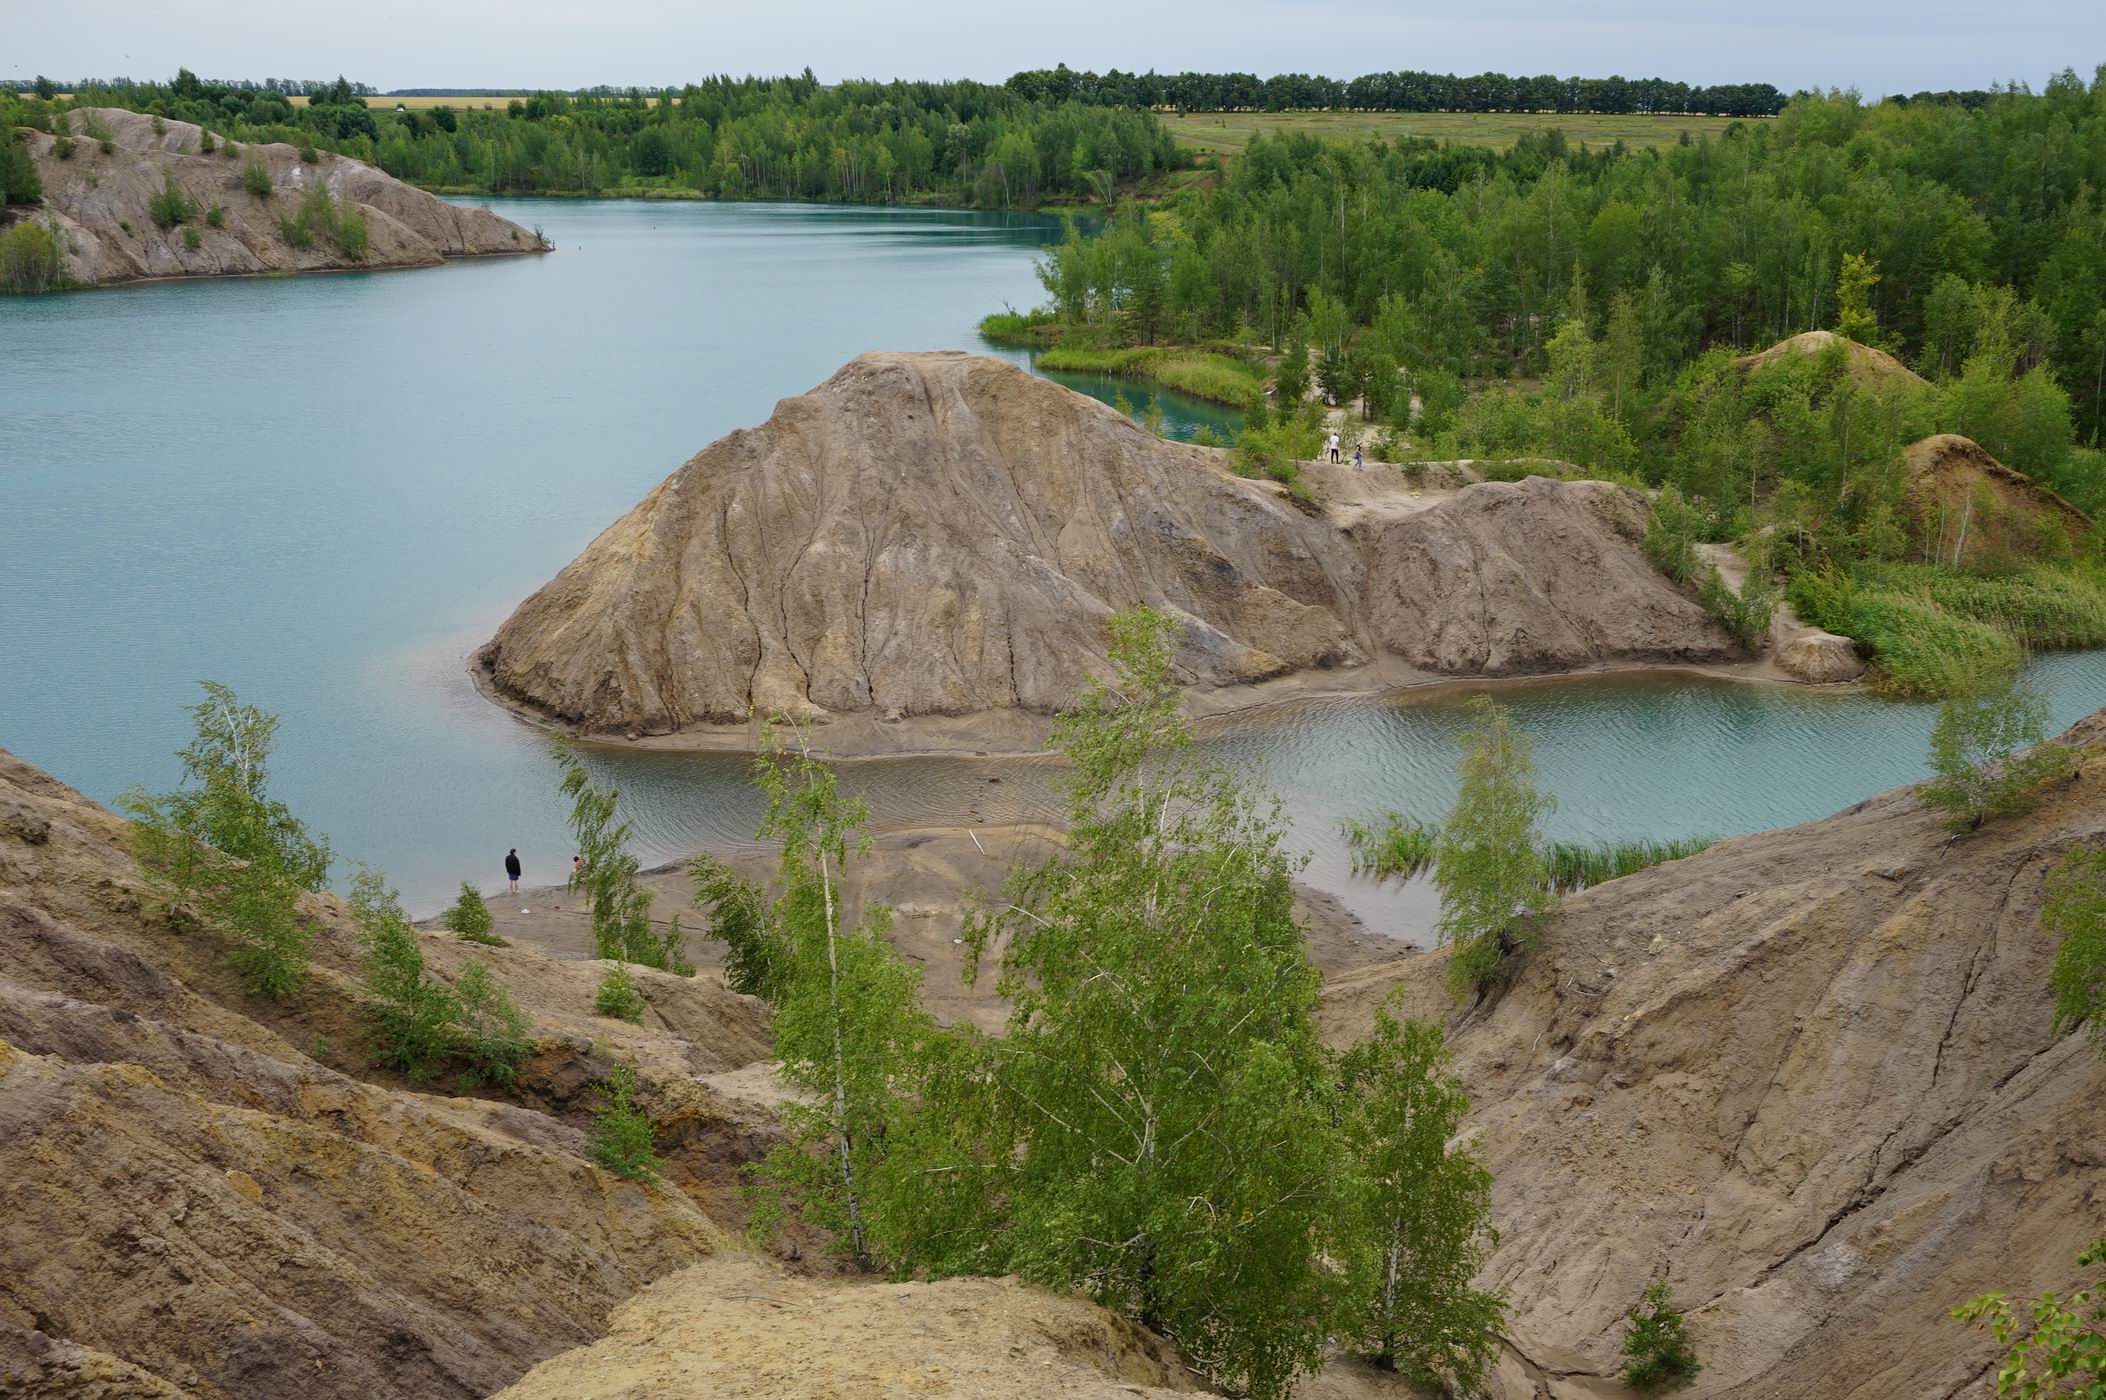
[(731, 138), (1597, 307), (1396, 92)]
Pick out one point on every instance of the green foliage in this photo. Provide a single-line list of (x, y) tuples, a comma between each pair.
[(468, 915), (31, 259), (220, 842), (849, 1025), (1853, 318), (2054, 1348), (621, 1137), (1917, 647), (1291, 375), (256, 177), (1573, 866), (191, 238), (1657, 1343), (622, 930), (1278, 448), (1672, 529), (1173, 1147), (1988, 752), (309, 156), (491, 1037), (1488, 863), (618, 996), (171, 206), (2076, 914), (214, 217), (1418, 1213), (1745, 615), (19, 182), (1400, 847), (410, 1014), (1200, 373), (321, 215), (756, 951)]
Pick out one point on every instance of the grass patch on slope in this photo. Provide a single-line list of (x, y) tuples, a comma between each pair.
[(1395, 846), (1200, 373)]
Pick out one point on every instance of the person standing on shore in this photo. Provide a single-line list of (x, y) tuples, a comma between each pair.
[(512, 870)]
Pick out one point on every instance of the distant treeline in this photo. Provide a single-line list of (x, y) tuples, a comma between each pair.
[(1396, 92), (289, 87), (743, 138)]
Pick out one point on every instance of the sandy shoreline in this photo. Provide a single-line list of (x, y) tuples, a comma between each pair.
[(1011, 733)]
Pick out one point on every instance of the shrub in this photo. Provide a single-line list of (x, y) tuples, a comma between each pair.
[(221, 841), (468, 914), (618, 996), (2053, 1347), (1488, 863), (215, 217), (204, 143), (191, 238), (1399, 847), (410, 1016), (490, 1033), (309, 156), (19, 182), (31, 259), (349, 231), (1745, 615), (1918, 647), (256, 177), (1987, 751), (1672, 528), (756, 950), (125, 224), (622, 928), (1657, 1342), (621, 1136), (2076, 913)]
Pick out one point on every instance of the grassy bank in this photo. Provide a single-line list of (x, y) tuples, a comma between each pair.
[(1203, 374), (1932, 631), (1399, 847)]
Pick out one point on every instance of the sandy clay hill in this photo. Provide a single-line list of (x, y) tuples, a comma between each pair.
[(92, 196), (943, 535), (1809, 1075), (1864, 361), (1967, 506)]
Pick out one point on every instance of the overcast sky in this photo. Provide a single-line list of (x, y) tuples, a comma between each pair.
[(1875, 45)]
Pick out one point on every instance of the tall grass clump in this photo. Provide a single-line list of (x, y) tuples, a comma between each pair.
[(1918, 648), (1398, 847), (1200, 373), (1575, 865)]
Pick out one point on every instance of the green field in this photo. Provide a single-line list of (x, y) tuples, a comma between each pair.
[(1227, 132)]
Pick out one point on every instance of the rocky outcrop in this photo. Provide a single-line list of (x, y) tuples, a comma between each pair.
[(1966, 507), (1809, 1075), (100, 201), (733, 1330), (944, 535)]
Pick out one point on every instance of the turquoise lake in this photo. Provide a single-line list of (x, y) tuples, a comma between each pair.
[(326, 491)]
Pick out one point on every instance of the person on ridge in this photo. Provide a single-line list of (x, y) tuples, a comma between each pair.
[(512, 871), (1334, 447), (1359, 461)]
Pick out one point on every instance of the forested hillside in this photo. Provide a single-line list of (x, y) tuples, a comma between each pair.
[(968, 143)]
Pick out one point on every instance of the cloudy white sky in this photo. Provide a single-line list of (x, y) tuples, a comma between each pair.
[(1875, 45)]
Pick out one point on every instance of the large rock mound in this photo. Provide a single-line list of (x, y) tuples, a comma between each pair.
[(92, 197), (1967, 507), (1811, 1076), (944, 535)]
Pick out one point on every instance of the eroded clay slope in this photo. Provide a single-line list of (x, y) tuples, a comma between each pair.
[(1809, 1075), (944, 535), (100, 204), (196, 1200)]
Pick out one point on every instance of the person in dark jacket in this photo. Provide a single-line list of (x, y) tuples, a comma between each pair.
[(512, 870)]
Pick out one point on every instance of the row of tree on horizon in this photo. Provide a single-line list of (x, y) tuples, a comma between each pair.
[(1395, 91)]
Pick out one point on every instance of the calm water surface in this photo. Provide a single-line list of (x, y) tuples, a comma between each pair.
[(327, 491)]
